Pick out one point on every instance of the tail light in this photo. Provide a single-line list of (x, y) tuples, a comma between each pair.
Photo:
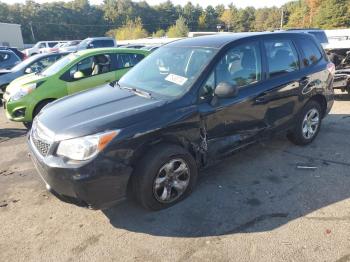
[(331, 68)]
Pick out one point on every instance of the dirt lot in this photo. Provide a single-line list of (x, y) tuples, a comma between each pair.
[(254, 206)]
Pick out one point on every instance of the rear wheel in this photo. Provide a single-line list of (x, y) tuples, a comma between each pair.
[(308, 124), (165, 176)]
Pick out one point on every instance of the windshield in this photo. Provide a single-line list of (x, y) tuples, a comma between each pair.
[(169, 71), (57, 66), (25, 63), (84, 43)]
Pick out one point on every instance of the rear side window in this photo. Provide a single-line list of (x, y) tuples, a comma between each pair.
[(282, 57), (52, 44), (103, 43), (128, 60), (320, 36), (311, 53)]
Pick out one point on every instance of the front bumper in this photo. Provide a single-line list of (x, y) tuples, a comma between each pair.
[(97, 184)]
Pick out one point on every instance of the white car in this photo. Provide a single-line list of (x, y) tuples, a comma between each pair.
[(42, 44)]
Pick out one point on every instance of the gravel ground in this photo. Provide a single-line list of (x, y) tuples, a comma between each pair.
[(254, 206)]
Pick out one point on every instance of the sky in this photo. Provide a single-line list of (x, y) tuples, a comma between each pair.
[(204, 3)]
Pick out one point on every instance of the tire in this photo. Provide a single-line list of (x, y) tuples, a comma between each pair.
[(27, 125), (151, 180), (308, 124), (36, 111)]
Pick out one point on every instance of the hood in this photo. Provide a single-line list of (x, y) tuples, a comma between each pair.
[(96, 110), (7, 78), (23, 80)]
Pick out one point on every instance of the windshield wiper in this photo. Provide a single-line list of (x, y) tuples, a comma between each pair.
[(137, 91)]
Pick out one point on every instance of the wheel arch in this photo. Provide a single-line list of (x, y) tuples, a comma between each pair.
[(322, 101), (41, 102)]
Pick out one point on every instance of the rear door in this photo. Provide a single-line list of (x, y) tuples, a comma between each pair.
[(97, 70), (282, 86)]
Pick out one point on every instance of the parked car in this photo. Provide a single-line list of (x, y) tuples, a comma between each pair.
[(34, 64), (91, 42), (21, 55), (186, 105), (57, 47), (39, 45), (85, 69), (8, 59)]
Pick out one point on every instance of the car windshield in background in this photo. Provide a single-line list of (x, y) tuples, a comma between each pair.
[(169, 71), (24, 63), (57, 66)]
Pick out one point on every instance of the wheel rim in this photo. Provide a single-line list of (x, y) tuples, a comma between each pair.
[(311, 123), (171, 181)]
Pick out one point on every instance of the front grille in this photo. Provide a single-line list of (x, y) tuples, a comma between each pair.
[(42, 146)]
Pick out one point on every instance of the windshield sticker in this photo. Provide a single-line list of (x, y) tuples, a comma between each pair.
[(179, 80)]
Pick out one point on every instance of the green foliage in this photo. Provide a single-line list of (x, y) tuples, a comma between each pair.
[(180, 29), (77, 19), (131, 30), (159, 33)]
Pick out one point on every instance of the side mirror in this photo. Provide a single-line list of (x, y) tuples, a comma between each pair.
[(78, 75), (226, 90), (91, 45), (28, 70)]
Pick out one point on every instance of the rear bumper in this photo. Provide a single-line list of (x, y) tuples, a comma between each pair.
[(97, 184)]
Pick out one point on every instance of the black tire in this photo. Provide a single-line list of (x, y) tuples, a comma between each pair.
[(148, 169), (297, 136), (36, 111), (27, 125)]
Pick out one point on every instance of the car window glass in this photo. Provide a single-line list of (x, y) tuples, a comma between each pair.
[(282, 57), (169, 71), (128, 60), (93, 65), (240, 66), (52, 44), (41, 64), (4, 57), (42, 45), (107, 43), (311, 53)]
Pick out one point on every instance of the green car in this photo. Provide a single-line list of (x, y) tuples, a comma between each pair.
[(27, 95)]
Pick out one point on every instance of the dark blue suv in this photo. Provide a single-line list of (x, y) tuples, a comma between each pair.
[(186, 105)]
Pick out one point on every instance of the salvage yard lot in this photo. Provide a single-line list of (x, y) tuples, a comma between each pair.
[(256, 205)]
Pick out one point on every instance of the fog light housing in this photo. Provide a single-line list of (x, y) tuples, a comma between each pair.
[(19, 112)]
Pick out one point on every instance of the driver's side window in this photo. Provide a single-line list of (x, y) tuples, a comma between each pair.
[(240, 66)]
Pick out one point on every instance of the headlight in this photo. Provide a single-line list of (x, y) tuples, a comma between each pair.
[(22, 91), (86, 147)]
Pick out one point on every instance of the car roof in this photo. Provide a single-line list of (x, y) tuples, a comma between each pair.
[(110, 50), (50, 54), (220, 40)]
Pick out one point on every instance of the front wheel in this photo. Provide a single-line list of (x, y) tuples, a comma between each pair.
[(165, 176), (308, 124)]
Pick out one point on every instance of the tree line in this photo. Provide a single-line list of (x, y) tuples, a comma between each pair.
[(125, 19)]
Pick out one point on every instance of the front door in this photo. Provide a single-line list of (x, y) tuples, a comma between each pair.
[(233, 122)]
